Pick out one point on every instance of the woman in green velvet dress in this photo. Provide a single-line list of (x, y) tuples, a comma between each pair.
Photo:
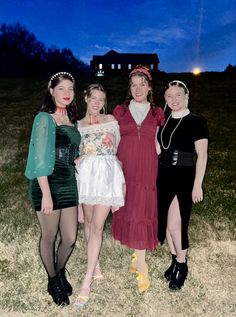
[(53, 189)]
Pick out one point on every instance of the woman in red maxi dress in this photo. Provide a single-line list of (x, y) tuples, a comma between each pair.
[(135, 224)]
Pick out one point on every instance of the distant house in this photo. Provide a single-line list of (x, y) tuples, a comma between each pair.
[(121, 63)]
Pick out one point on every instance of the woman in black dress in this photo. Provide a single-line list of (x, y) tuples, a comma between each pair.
[(180, 179), (53, 189)]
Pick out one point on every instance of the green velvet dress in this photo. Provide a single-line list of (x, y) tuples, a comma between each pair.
[(52, 151)]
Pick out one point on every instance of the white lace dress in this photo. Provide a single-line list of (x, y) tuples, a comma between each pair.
[(100, 177)]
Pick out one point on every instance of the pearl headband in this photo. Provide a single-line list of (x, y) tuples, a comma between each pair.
[(60, 74)]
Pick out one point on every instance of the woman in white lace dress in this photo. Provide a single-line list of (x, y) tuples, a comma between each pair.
[(100, 178)]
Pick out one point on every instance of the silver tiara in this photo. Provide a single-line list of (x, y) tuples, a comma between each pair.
[(60, 74)]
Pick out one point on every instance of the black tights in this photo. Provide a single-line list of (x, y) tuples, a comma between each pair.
[(65, 221)]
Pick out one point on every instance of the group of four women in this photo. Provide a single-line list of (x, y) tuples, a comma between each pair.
[(110, 162)]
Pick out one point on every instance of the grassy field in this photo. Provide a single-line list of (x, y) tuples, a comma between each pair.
[(210, 287)]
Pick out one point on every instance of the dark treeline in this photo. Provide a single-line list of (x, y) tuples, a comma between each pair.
[(22, 54)]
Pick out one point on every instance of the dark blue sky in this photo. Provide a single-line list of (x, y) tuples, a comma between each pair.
[(183, 33)]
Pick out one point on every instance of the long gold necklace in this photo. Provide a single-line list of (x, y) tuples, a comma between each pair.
[(161, 137)]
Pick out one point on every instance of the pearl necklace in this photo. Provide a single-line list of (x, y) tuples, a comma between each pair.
[(185, 113)]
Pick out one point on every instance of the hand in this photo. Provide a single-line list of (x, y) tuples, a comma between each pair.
[(76, 160), (47, 204), (158, 148), (197, 194)]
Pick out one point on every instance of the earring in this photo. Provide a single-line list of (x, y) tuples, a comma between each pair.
[(103, 110)]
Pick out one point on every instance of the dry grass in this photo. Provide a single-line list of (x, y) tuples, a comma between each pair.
[(209, 290), (210, 287)]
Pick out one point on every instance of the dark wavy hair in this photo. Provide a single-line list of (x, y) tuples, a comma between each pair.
[(49, 104), (137, 71)]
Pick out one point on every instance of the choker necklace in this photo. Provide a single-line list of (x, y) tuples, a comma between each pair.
[(61, 111), (62, 116), (161, 138)]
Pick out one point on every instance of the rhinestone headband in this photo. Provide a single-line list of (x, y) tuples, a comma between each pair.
[(60, 74), (141, 70)]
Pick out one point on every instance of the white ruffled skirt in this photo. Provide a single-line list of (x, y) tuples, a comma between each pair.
[(100, 180)]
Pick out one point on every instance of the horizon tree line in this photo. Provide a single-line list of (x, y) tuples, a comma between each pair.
[(22, 54)]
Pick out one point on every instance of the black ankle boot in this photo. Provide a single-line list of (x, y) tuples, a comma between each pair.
[(179, 276), (58, 295), (170, 271), (65, 285)]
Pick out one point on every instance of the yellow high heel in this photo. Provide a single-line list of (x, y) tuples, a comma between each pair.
[(132, 267), (143, 279)]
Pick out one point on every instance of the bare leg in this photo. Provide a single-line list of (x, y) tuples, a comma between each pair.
[(87, 220), (99, 215), (174, 231), (170, 242), (49, 228), (141, 254), (88, 216)]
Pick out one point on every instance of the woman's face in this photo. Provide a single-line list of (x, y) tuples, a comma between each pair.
[(63, 93), (139, 89), (95, 101), (176, 98)]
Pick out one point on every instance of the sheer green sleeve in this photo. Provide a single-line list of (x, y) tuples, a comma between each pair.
[(41, 156)]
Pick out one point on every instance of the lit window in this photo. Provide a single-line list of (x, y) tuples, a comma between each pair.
[(112, 66), (119, 66), (152, 66), (100, 66), (129, 66)]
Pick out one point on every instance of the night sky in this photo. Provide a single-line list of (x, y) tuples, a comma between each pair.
[(185, 34)]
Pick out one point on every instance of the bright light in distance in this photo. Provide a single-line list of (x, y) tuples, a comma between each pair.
[(196, 70)]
